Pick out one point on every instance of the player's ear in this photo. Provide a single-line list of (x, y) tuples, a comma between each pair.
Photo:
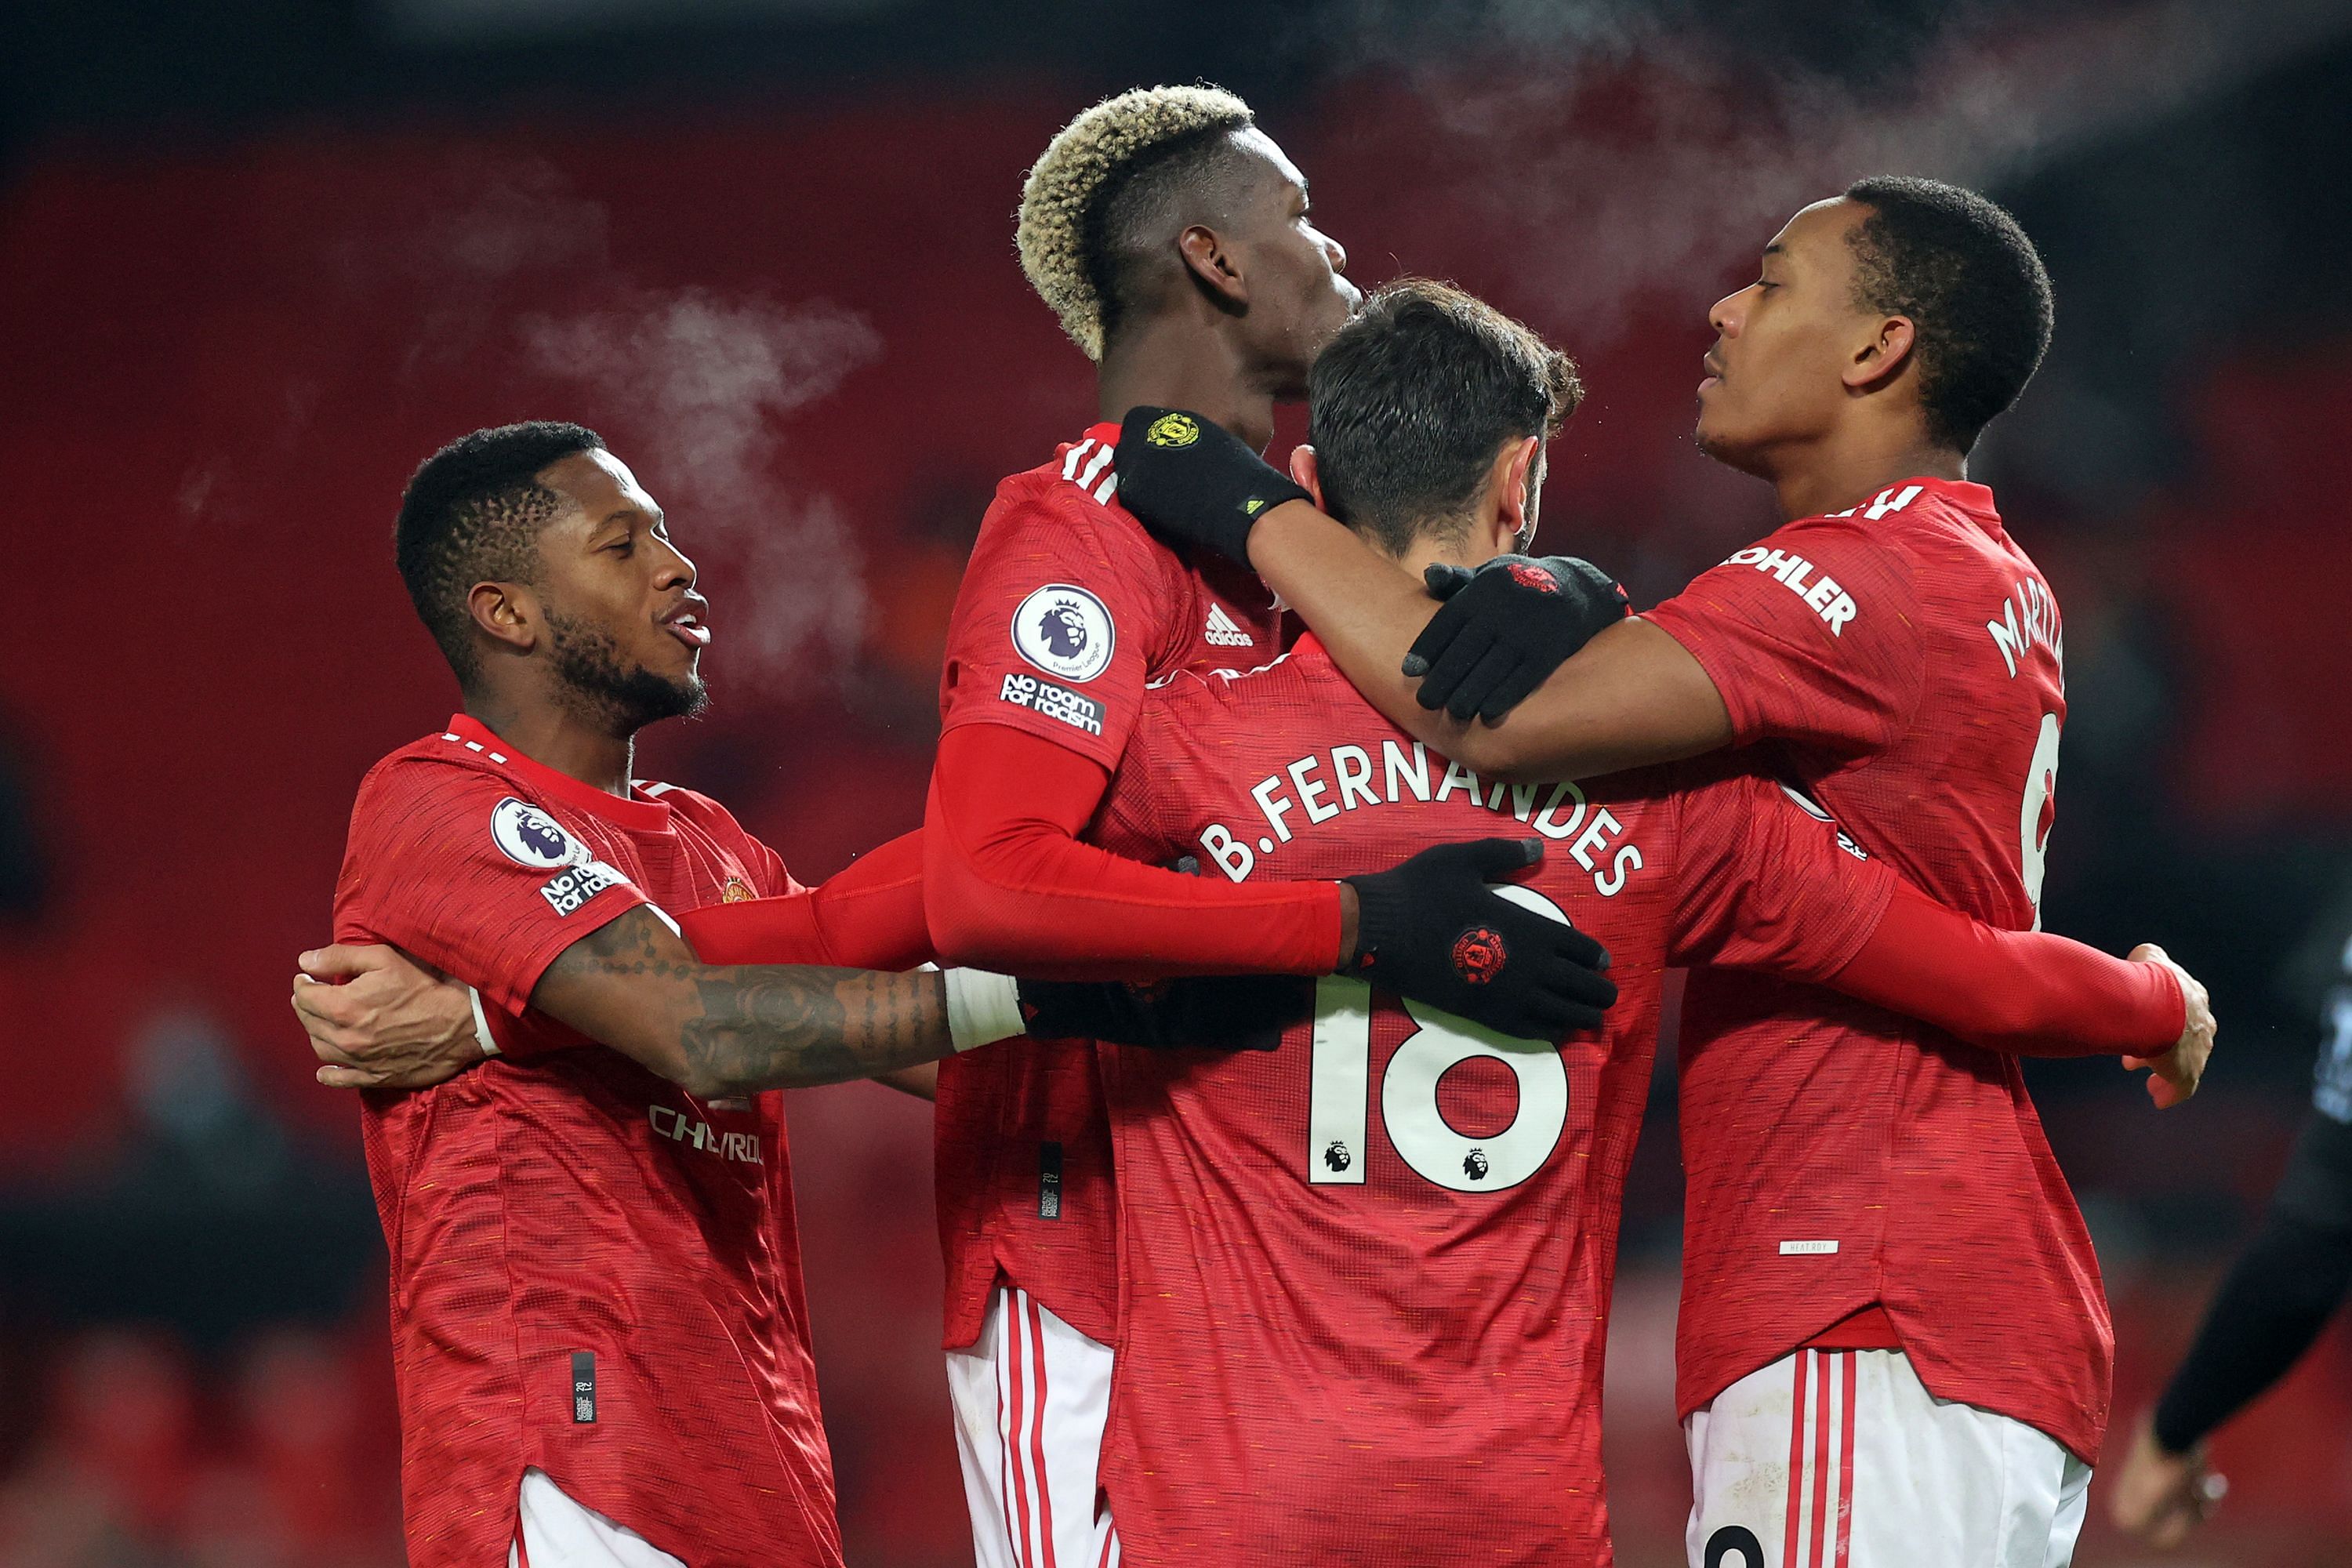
[(1511, 495), (1213, 266), (1878, 357), (1305, 470), (507, 612)]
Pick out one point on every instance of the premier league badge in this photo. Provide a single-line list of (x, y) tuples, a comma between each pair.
[(1064, 631), (529, 837)]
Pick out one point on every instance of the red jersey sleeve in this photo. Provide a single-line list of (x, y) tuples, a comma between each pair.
[(422, 871), (2026, 993), (1812, 636), (1765, 880), (1064, 609), (869, 915), (1006, 884), (1768, 880)]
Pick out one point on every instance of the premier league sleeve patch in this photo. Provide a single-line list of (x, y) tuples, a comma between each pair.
[(529, 837), (1064, 631)]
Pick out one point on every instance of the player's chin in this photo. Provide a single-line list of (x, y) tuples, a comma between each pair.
[(678, 671), (1332, 309), (671, 659), (1718, 438), (1713, 416), (684, 697)]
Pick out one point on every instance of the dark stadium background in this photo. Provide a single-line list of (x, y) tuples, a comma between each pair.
[(258, 257)]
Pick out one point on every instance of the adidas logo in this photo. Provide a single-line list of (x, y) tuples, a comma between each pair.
[(1223, 633)]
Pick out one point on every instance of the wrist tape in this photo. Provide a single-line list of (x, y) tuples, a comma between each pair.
[(481, 1024), (983, 1007)]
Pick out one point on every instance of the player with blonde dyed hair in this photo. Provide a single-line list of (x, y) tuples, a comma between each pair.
[(1171, 237), (1067, 241)]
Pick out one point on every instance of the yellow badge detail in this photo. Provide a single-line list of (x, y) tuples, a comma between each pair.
[(1174, 430), (737, 890), (1252, 507)]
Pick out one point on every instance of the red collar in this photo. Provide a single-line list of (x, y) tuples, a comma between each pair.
[(1973, 499), (631, 814)]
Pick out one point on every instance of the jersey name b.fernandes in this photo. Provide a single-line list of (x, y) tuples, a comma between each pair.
[(1903, 658), (1366, 1275), (592, 1272), (1068, 611)]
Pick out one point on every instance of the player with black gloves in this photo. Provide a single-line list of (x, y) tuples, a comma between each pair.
[(1895, 650), (1249, 1011), (1500, 629), (1288, 1221)]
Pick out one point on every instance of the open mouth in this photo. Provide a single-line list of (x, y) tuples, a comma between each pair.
[(688, 628), (1714, 373)]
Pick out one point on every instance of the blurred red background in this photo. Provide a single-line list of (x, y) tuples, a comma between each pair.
[(224, 359)]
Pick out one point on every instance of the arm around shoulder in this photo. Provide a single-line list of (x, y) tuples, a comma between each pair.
[(1631, 697)]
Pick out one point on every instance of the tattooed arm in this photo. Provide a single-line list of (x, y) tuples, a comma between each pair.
[(722, 1030)]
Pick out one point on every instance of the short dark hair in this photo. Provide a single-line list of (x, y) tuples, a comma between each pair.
[(471, 513), (1408, 405), (1974, 287)]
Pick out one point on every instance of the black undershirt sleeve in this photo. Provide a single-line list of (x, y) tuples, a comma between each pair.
[(2279, 1295)]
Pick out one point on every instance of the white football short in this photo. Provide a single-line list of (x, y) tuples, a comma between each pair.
[(1844, 1459), (1031, 1397), (551, 1530)]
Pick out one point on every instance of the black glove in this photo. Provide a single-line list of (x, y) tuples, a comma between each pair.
[(1433, 929), (1233, 1013), (1193, 482), (1504, 629)]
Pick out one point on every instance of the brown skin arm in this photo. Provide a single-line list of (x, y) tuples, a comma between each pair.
[(378, 1019), (921, 1080), (1631, 697), (722, 1031)]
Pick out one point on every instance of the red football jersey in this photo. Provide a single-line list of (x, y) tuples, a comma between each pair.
[(1068, 611), (1367, 1276), (592, 1271), (1906, 657)]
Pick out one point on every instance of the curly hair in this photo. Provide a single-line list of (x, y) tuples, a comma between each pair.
[(472, 513), (1973, 286), (1102, 175)]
